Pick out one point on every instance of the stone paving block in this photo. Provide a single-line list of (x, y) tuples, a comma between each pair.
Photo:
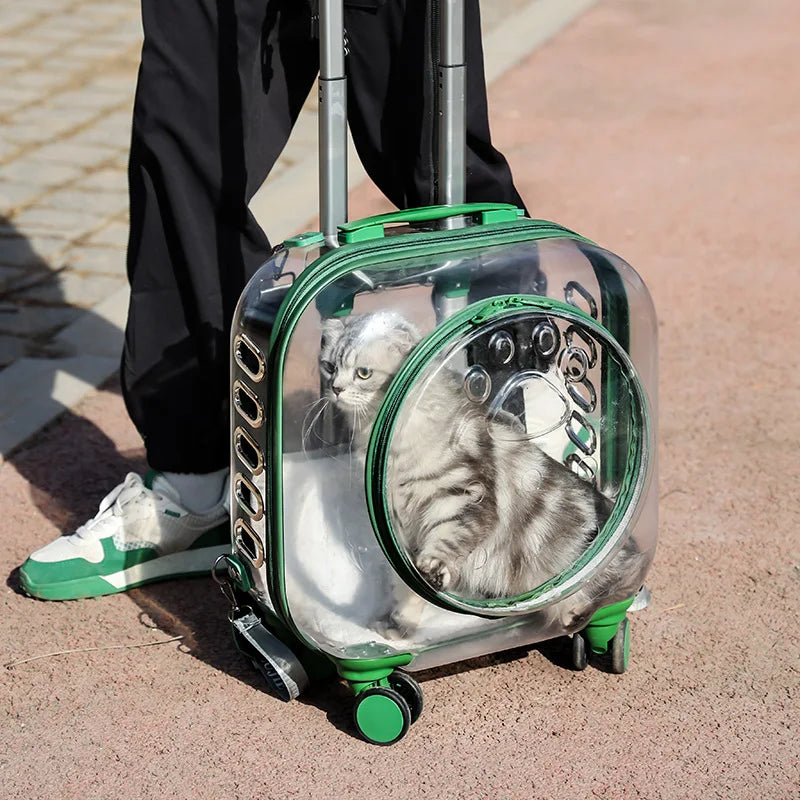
[(21, 93), (100, 331), (104, 13), (114, 235), (84, 98), (49, 247), (9, 276), (76, 67), (30, 170), (17, 195), (69, 223), (46, 115), (28, 45), (35, 391), (100, 204), (48, 7), (16, 16), (17, 96), (11, 348), (100, 260), (109, 128), (131, 26), (97, 48), (104, 180), (41, 79), (25, 134), (21, 251), (68, 288), (49, 127), (8, 149), (88, 155), (39, 321), (97, 134), (114, 92), (9, 62), (76, 21), (53, 30), (120, 81)]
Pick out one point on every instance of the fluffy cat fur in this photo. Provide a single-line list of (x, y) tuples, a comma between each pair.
[(482, 514)]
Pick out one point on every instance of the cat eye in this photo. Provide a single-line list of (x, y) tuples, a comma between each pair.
[(326, 367), (363, 373)]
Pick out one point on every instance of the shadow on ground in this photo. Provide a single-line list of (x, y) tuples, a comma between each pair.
[(70, 466)]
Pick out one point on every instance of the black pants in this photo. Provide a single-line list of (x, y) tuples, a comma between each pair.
[(220, 86)]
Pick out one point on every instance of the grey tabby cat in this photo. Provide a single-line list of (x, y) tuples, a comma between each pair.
[(482, 513)]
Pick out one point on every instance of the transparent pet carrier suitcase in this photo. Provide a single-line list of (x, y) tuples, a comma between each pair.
[(427, 370)]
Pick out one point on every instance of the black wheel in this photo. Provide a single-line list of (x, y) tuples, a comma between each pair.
[(579, 657), (382, 715), (621, 648), (410, 690)]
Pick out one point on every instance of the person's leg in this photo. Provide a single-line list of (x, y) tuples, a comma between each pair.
[(219, 90), (391, 104), (220, 86)]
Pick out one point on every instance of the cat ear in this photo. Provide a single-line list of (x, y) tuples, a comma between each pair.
[(331, 330), (406, 338)]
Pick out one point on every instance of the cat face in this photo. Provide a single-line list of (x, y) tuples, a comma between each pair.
[(359, 356)]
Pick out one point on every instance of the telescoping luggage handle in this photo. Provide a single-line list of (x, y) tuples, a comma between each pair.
[(451, 105)]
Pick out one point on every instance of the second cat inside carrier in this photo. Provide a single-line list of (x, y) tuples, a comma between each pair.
[(442, 447)]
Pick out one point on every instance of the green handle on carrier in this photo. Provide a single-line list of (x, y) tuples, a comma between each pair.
[(363, 230)]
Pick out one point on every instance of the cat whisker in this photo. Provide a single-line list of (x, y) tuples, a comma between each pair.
[(307, 430)]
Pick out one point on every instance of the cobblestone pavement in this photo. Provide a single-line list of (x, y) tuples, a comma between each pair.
[(68, 74), (67, 77), (67, 85)]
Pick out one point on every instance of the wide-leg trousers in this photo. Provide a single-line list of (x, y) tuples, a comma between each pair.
[(221, 84)]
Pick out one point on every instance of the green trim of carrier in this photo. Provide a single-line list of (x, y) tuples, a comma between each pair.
[(604, 544), (378, 254), (370, 228)]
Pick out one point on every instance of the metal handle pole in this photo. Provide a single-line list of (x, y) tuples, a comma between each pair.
[(452, 104), (451, 163), (332, 120)]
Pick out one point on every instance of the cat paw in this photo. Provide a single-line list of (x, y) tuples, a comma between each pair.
[(435, 572)]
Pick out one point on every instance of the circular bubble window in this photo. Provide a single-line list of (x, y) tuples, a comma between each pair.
[(508, 458)]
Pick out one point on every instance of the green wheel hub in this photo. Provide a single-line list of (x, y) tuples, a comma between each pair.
[(381, 715)]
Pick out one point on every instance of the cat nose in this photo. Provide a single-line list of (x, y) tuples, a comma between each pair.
[(337, 390)]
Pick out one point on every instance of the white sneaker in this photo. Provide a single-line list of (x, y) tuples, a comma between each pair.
[(140, 534)]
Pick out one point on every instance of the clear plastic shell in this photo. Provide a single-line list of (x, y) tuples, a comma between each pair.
[(573, 382)]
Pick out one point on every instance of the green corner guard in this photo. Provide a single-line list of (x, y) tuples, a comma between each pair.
[(603, 625), (364, 673)]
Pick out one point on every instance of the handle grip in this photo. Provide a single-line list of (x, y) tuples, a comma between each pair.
[(363, 230)]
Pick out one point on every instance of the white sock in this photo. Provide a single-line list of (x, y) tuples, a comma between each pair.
[(199, 493)]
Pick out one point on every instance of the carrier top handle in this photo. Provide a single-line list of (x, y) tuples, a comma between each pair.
[(332, 120), (452, 69)]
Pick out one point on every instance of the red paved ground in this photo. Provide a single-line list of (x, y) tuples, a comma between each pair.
[(669, 133)]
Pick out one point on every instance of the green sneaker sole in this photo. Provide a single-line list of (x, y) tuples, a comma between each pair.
[(186, 564)]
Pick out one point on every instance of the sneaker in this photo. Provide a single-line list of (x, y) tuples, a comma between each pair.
[(140, 534)]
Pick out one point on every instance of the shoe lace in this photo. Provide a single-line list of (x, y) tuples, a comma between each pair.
[(113, 504)]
